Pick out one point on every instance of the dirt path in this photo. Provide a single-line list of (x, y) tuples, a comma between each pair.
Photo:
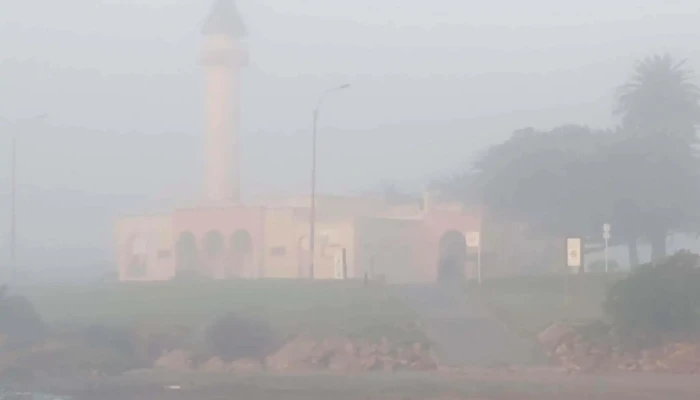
[(472, 385), (463, 333)]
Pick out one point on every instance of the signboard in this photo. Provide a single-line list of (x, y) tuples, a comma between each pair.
[(606, 231), (573, 252), (473, 239), (339, 265)]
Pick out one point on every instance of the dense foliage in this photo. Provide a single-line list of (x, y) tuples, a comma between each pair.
[(658, 299), (20, 324), (233, 337), (643, 177)]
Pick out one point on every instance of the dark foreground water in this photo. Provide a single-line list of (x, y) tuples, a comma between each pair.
[(466, 385), (7, 395)]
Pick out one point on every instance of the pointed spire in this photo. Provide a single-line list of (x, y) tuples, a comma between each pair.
[(224, 19)]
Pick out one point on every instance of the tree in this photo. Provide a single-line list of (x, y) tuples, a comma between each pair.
[(391, 192), (549, 180), (653, 166), (660, 99), (644, 178)]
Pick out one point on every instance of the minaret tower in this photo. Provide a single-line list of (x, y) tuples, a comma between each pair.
[(223, 57)]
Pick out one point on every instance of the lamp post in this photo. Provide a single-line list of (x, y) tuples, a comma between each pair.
[(13, 206), (312, 215)]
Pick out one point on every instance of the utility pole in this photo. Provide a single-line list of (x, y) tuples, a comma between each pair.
[(14, 273), (312, 214), (13, 211)]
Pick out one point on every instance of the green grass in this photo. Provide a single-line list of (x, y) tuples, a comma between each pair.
[(290, 307), (530, 304)]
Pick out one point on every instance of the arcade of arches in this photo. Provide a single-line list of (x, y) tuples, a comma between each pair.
[(452, 258), (216, 256), (257, 242)]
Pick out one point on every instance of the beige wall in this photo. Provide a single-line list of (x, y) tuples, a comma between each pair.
[(148, 239), (285, 230), (392, 248), (287, 245), (331, 237), (333, 207)]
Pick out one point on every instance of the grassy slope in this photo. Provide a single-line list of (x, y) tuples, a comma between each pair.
[(530, 304), (322, 309)]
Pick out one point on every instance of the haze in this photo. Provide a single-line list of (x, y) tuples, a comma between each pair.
[(433, 84)]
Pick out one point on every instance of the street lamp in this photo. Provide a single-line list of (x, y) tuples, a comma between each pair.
[(13, 190), (312, 216)]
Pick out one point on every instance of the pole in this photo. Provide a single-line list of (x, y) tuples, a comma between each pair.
[(13, 211), (13, 200), (478, 263), (606, 256), (312, 215)]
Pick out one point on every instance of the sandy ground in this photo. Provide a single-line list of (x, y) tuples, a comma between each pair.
[(468, 385)]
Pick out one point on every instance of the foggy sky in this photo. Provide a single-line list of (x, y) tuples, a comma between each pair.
[(433, 84)]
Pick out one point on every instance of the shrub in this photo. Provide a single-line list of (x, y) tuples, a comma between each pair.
[(154, 340), (20, 324), (120, 340), (658, 299), (233, 337), (598, 266)]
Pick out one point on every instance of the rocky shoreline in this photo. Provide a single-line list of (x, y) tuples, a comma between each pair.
[(308, 354), (576, 350)]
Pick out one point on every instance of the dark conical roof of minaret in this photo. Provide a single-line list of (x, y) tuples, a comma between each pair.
[(224, 19)]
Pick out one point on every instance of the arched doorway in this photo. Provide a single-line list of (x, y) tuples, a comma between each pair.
[(186, 256), (303, 257), (137, 257), (241, 264), (214, 252), (452, 257)]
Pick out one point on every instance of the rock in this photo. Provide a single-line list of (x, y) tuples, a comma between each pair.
[(628, 363), (390, 365), (320, 355), (581, 349), (649, 365), (366, 348), (405, 356), (215, 365), (246, 366), (586, 362), (176, 360), (427, 362), (562, 350), (333, 344), (384, 346), (343, 362), (294, 355), (372, 363), (350, 348), (553, 336), (683, 360)]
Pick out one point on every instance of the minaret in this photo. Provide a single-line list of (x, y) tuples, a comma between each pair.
[(223, 57)]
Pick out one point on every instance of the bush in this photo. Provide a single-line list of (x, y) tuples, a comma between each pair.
[(154, 340), (20, 324), (598, 266), (658, 299), (233, 337), (120, 340)]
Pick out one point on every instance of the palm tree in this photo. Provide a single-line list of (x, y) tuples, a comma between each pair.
[(660, 111), (660, 99)]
